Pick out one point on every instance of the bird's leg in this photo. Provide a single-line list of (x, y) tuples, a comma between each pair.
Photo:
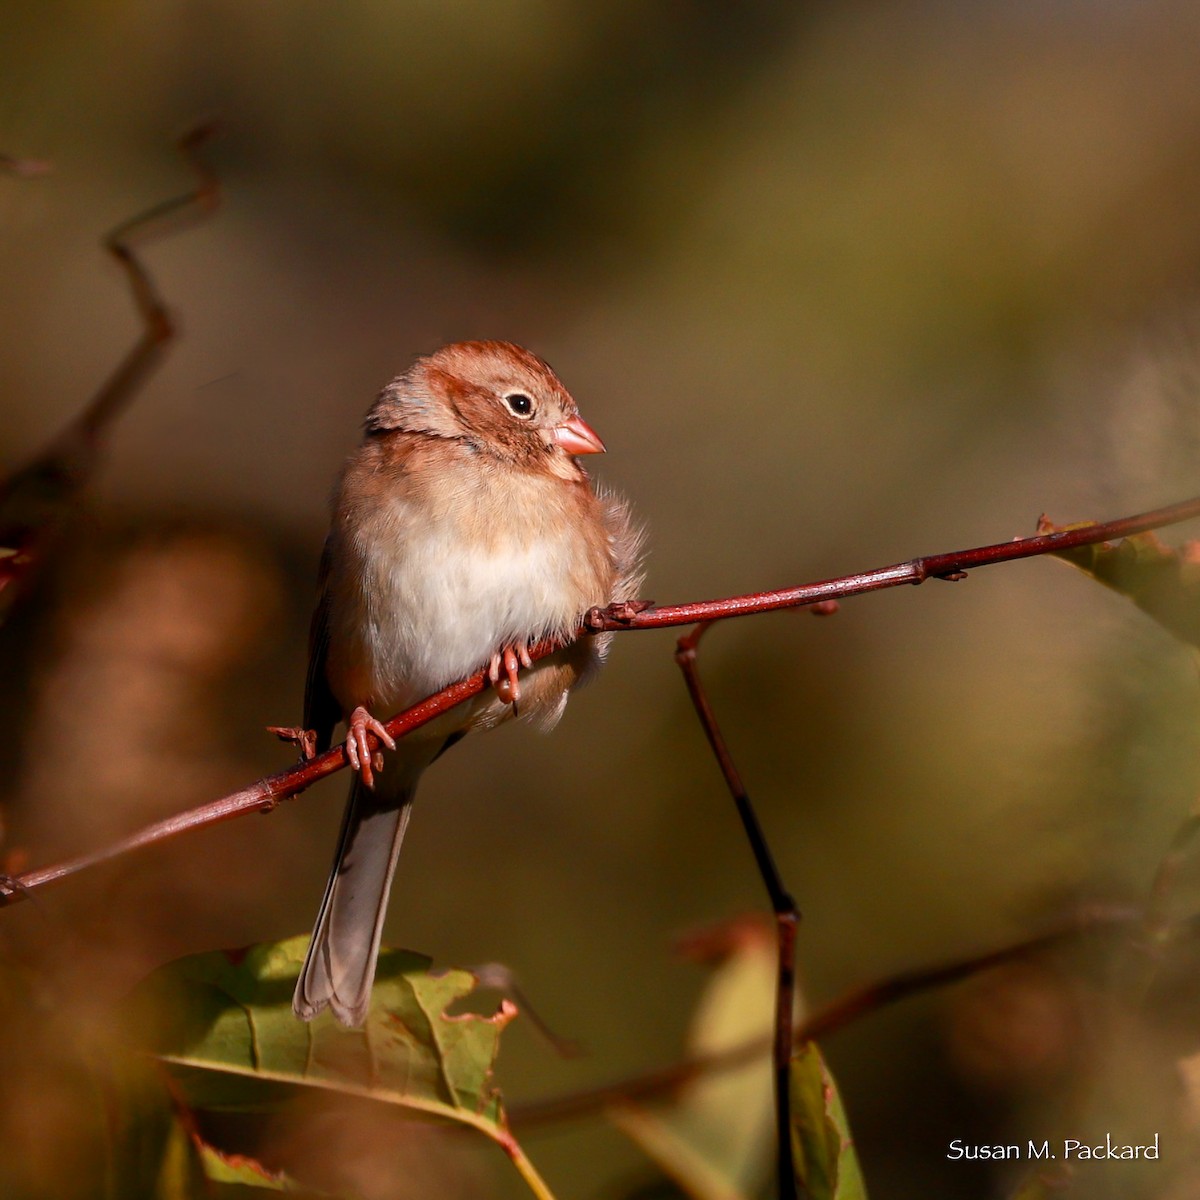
[(503, 668), (358, 748)]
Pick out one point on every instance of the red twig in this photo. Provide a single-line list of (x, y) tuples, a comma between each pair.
[(267, 792), (261, 796), (952, 566)]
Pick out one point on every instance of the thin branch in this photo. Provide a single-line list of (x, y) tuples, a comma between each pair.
[(266, 793), (952, 567), (685, 655), (665, 1082), (787, 916), (261, 796), (159, 329), (35, 500)]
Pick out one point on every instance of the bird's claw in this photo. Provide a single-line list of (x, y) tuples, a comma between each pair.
[(11, 886), (502, 671), (305, 739), (363, 758)]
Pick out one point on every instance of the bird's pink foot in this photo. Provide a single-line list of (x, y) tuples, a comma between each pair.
[(304, 739), (358, 748), (503, 668)]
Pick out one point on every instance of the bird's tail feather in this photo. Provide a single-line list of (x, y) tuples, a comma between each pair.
[(340, 966)]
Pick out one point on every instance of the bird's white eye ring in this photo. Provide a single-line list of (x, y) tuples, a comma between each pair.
[(520, 404)]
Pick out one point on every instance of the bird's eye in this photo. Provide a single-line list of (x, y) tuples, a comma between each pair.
[(520, 404)]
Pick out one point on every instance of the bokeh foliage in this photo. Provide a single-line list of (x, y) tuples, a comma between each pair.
[(837, 287)]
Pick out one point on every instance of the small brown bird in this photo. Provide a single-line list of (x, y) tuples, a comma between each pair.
[(464, 531)]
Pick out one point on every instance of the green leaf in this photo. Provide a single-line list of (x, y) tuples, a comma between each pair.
[(245, 1171), (222, 1025), (1161, 581), (158, 1152), (189, 1167), (826, 1165), (716, 1139), (179, 1176)]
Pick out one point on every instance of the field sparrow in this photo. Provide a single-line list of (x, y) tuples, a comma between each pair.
[(464, 531)]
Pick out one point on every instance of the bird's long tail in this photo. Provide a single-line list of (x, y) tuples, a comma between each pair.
[(340, 967)]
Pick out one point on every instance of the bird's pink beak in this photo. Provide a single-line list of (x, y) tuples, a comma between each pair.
[(576, 436)]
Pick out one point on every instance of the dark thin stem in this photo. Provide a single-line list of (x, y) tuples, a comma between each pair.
[(158, 325), (784, 907), (36, 499), (665, 1082)]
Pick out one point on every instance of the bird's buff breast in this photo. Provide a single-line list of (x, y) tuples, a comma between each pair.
[(444, 583)]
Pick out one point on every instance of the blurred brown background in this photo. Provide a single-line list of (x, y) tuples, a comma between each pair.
[(837, 288)]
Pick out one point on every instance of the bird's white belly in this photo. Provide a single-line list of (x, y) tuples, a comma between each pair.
[(438, 609)]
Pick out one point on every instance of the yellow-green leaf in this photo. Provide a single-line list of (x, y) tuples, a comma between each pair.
[(715, 1140), (826, 1164), (190, 1167), (241, 1169), (1163, 582), (179, 1173)]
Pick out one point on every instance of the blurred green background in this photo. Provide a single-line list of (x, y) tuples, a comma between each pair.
[(837, 287)]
